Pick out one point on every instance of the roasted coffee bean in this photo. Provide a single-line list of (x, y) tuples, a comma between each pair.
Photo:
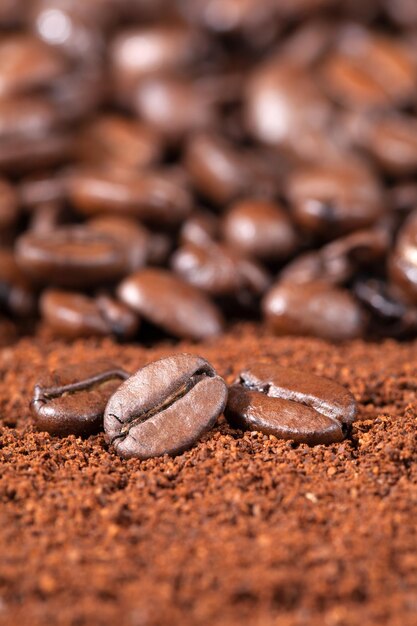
[(41, 189), (16, 293), (20, 155), (9, 205), (200, 228), (260, 229), (149, 196), (131, 235), (165, 407), (26, 63), (173, 106), (219, 270), (71, 257), (71, 400), (403, 259), (314, 308), (290, 404), (334, 199), (116, 140), (369, 71), (171, 303), (392, 141), (75, 315), (26, 117)]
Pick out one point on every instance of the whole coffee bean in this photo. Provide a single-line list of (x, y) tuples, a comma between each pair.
[(71, 400), (170, 303), (334, 199), (71, 257), (165, 407), (9, 205), (150, 196), (16, 293), (26, 63), (392, 141), (260, 229), (219, 270), (115, 139), (369, 71), (132, 236), (19, 155), (315, 308), (173, 106), (73, 315), (22, 117), (403, 259), (290, 404)]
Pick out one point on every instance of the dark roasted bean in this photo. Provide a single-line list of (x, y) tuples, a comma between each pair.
[(71, 257), (335, 199), (131, 235), (71, 400), (20, 155), (314, 308), (260, 229), (26, 117), (153, 197), (403, 259), (171, 303), (73, 314), (392, 141), (290, 404), (165, 407)]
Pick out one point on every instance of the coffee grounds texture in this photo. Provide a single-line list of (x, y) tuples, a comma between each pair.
[(241, 529)]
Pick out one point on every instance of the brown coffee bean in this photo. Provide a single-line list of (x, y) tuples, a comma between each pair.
[(75, 315), (335, 199), (219, 270), (71, 400), (369, 71), (314, 308), (260, 229), (170, 303), (403, 259), (71, 257), (22, 117), (16, 293), (149, 196), (290, 404), (41, 189), (165, 407), (131, 235), (392, 141), (26, 63), (9, 205), (114, 139), (20, 155), (200, 228)]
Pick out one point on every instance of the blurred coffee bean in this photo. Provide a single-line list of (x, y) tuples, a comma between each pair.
[(334, 199), (392, 141), (307, 44), (369, 71), (71, 257), (218, 270), (40, 189), (9, 205), (24, 154), (403, 259), (200, 228), (133, 238), (225, 16), (26, 63), (173, 106), (260, 229), (155, 197), (115, 139), (73, 315), (17, 296), (315, 308), (171, 304), (25, 116), (78, 93)]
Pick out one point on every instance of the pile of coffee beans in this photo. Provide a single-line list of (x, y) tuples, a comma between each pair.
[(166, 166), (166, 406)]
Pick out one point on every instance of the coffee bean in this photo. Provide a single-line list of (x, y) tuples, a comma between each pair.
[(9, 207), (26, 63), (16, 294), (73, 315), (19, 155), (131, 235), (200, 228), (290, 404), (71, 400), (165, 407), (403, 259), (392, 141), (260, 229), (314, 308), (71, 257), (154, 197), (41, 189), (170, 303), (334, 199), (26, 117), (219, 270)]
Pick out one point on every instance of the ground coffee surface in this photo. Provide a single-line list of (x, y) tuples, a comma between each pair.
[(241, 529)]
